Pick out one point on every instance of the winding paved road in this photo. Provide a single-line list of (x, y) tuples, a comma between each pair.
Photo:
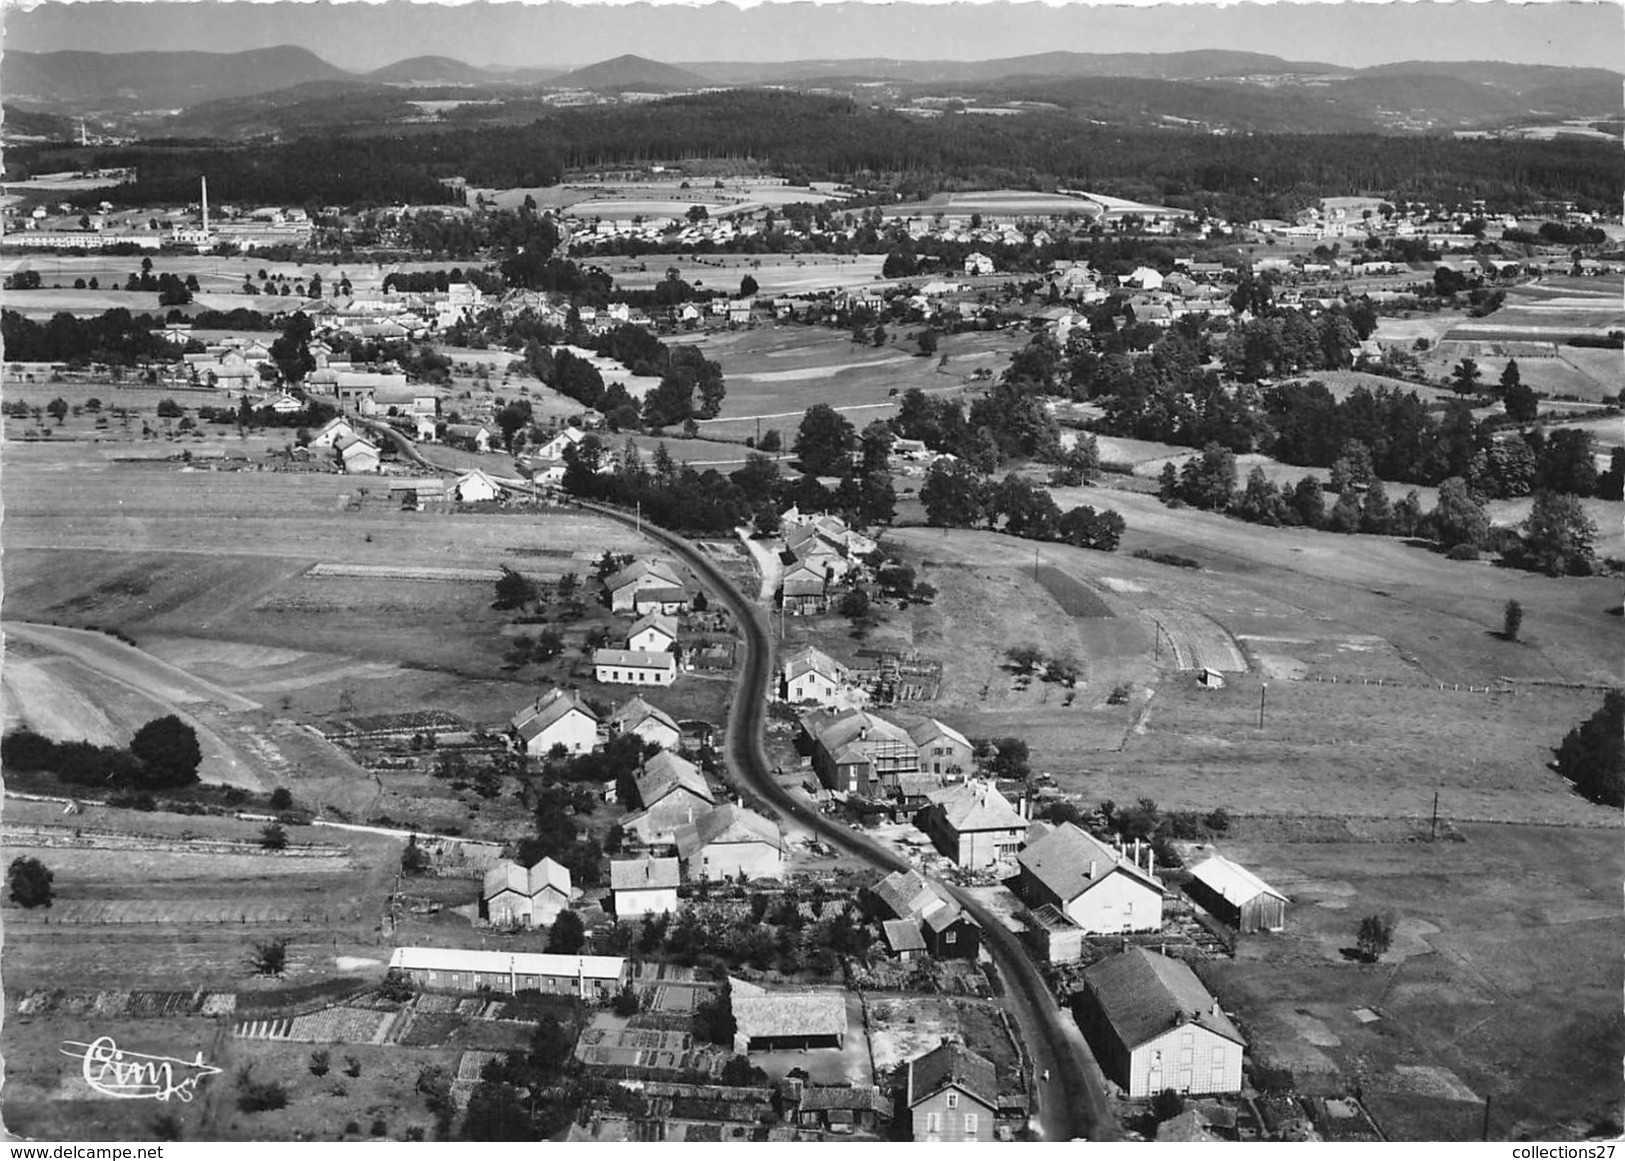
[(1072, 1103)]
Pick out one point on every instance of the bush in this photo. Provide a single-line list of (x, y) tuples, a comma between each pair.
[(281, 799), (1218, 820), (29, 882), (1462, 552), (259, 1096), (320, 1062), (1375, 936)]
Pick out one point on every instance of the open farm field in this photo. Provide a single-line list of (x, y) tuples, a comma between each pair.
[(997, 202), (1503, 981), (774, 273), (48, 301), (221, 275)]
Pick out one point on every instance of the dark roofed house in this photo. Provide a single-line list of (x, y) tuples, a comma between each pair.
[(728, 842), (943, 927), (1153, 1026), (951, 1094), (1098, 887), (645, 886), (837, 1108), (973, 824), (856, 752)]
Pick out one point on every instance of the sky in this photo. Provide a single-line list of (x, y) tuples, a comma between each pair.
[(359, 35)]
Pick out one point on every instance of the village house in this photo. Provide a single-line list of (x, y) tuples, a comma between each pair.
[(938, 923), (332, 431), (642, 887), (778, 1021), (652, 725), (1100, 888), (973, 824), (475, 486), (633, 667), (951, 1094), (978, 263), (557, 718), (855, 752), (516, 897), (672, 792), (1153, 1026), (943, 749), (811, 675), (586, 977), (1232, 894), (654, 633), (731, 842), (359, 456), (804, 590), (474, 437), (554, 448), (624, 587), (837, 1109)]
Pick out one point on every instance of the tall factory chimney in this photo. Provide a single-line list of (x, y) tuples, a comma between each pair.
[(204, 182)]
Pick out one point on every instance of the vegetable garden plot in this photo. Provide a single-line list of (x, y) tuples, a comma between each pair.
[(1198, 641)]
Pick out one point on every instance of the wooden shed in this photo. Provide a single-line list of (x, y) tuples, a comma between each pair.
[(1234, 895)]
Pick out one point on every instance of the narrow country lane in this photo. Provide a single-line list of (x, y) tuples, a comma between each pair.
[(1073, 1103)]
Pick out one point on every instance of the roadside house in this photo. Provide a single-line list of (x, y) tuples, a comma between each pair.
[(951, 1094), (973, 824), (622, 587), (1153, 1026), (475, 486), (633, 667), (1098, 887), (810, 674), (729, 842), (655, 633), (943, 927), (943, 749), (855, 752)]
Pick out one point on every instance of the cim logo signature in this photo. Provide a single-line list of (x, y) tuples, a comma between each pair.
[(113, 1072)]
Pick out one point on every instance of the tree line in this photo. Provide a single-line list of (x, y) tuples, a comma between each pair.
[(163, 754)]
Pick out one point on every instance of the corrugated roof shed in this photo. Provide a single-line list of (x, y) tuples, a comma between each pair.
[(1232, 881)]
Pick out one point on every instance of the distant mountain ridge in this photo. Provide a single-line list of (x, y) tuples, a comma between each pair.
[(64, 81), (630, 72)]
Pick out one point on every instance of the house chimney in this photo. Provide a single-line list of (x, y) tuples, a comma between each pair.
[(1093, 868), (1150, 860), (203, 184)]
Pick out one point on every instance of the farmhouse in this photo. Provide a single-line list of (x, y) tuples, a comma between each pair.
[(812, 675), (655, 633), (332, 431), (731, 841), (775, 1021), (1232, 894), (557, 718), (943, 749), (623, 587), (359, 455), (587, 977), (554, 449), (475, 486), (652, 725), (471, 436), (672, 792), (804, 590), (856, 752), (951, 1094), (633, 667), (941, 926), (516, 897), (973, 824), (643, 887), (1153, 1026), (1098, 887)]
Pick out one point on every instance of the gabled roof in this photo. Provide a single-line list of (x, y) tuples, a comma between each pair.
[(905, 893), (903, 935), (810, 660), (1143, 994), (642, 874), (788, 1013), (727, 824), (931, 728), (660, 621), (657, 570), (552, 706), (855, 727), (510, 876), (972, 806), (1232, 881), (634, 658), (956, 1065), (822, 1097), (477, 474), (457, 959), (1063, 859), (666, 772), (637, 711)]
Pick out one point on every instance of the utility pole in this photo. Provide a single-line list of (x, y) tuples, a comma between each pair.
[(1035, 564), (1433, 834), (1262, 689), (1484, 1134)]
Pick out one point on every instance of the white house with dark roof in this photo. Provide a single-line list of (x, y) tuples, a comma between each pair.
[(1153, 1026), (810, 674), (654, 633), (634, 667), (728, 842), (623, 587), (644, 887), (973, 824), (647, 722), (558, 718), (515, 896), (332, 431), (943, 749), (1100, 888)]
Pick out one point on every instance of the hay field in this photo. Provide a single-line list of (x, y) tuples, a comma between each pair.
[(774, 273), (1503, 982)]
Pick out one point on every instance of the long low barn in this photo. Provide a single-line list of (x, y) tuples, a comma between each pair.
[(777, 1021), (452, 969)]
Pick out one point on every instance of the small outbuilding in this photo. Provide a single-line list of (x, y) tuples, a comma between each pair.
[(1232, 894)]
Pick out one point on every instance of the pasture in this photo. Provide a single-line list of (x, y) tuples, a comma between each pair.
[(1503, 981), (774, 273)]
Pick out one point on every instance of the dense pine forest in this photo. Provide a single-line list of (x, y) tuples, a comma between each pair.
[(830, 138)]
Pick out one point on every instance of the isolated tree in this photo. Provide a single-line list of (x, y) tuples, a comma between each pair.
[(281, 799), (747, 286), (928, 342), (270, 958), (1376, 935), (1511, 620), (57, 409), (29, 883), (413, 859), (273, 837), (1209, 480), (1465, 376), (1510, 377), (825, 441), (854, 605), (168, 751), (1024, 658), (514, 590), (320, 1062), (567, 935), (1558, 537)]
